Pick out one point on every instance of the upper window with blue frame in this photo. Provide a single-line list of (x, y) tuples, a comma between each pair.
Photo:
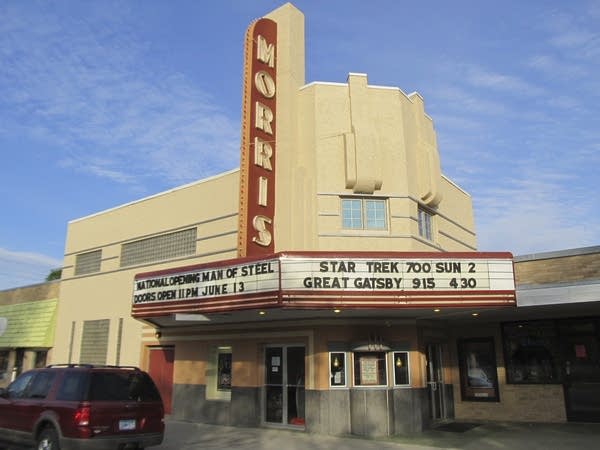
[(364, 214)]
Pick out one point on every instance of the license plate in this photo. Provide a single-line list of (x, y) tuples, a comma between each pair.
[(128, 424)]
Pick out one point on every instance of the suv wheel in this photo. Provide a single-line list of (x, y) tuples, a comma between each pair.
[(48, 440)]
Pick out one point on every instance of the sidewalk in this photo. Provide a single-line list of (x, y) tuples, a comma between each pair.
[(498, 436)]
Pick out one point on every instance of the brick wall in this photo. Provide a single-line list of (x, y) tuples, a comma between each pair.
[(43, 291), (518, 403), (558, 269)]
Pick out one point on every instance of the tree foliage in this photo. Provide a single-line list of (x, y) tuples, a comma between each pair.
[(54, 274)]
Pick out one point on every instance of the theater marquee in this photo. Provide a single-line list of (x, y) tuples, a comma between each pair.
[(325, 280)]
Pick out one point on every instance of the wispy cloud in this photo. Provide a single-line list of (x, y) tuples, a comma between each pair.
[(460, 98), (482, 78), (551, 66), (529, 210), (22, 268), (576, 33), (88, 88)]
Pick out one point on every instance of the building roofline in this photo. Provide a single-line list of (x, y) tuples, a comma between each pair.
[(29, 286), (159, 194), (558, 254), (456, 185), (370, 86)]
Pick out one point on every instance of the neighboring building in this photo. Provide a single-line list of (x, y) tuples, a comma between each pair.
[(337, 269), (547, 350), (27, 322)]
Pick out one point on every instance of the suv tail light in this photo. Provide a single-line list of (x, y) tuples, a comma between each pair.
[(82, 416)]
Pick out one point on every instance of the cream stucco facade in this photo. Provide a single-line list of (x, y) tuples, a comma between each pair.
[(209, 206), (385, 150), (335, 141)]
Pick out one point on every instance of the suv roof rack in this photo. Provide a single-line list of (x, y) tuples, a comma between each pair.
[(49, 366), (90, 366)]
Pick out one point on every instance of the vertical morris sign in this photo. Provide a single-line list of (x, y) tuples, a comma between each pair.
[(257, 159)]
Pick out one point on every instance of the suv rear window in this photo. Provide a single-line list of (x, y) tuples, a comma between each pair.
[(122, 386)]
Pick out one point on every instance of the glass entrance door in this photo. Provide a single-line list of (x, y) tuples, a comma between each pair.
[(580, 341), (284, 385), (435, 381)]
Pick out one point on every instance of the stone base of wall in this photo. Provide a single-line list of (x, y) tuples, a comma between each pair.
[(367, 412), (363, 412), (189, 403)]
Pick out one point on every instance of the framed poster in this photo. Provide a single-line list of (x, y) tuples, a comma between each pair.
[(478, 371), (224, 372), (369, 370)]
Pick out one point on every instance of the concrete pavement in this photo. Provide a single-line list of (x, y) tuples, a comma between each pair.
[(497, 436), (193, 436)]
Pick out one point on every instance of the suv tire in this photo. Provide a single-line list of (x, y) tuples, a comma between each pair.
[(48, 440)]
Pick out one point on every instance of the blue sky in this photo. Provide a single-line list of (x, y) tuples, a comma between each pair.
[(105, 102)]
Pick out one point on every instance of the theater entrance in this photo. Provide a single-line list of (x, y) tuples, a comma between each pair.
[(435, 382), (283, 393)]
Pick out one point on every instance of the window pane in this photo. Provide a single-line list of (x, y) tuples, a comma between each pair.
[(40, 358), (159, 248), (88, 262), (532, 352), (4, 364), (41, 385), (119, 386), (375, 212), (401, 368), (274, 361), (424, 219), (351, 213), (94, 342), (18, 387), (73, 386), (337, 364)]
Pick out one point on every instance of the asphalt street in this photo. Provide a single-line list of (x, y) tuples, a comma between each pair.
[(182, 435)]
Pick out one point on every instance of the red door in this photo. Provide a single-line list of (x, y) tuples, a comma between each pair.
[(161, 371)]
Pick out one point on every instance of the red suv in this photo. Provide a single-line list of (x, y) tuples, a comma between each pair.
[(82, 407)]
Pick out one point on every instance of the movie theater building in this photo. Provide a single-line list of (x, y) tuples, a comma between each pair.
[(314, 288)]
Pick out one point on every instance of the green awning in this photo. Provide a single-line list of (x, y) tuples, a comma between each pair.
[(28, 324)]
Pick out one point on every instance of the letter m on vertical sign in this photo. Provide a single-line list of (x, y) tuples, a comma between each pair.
[(258, 153)]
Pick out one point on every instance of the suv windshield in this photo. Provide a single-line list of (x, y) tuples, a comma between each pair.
[(122, 386)]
